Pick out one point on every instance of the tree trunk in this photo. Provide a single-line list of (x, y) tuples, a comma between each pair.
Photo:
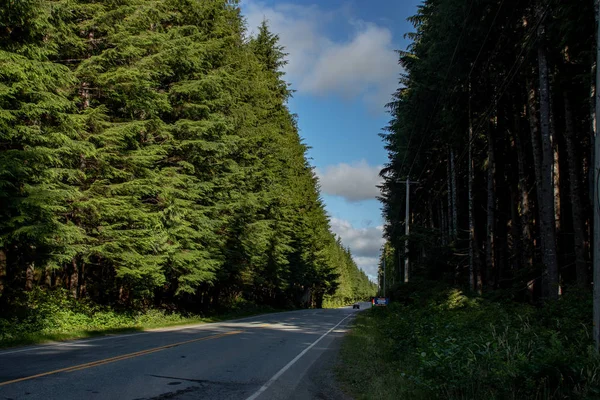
[(490, 258), (592, 134), (81, 281), (29, 275), (535, 283), (556, 180), (557, 206), (74, 278), (546, 186), (502, 195), (52, 278), (517, 241), (596, 191), (535, 143), (430, 208), (2, 270), (472, 247), (440, 220), (515, 229), (526, 228), (445, 240), (588, 162), (575, 196), (479, 266), (556, 159), (454, 196), (449, 185)]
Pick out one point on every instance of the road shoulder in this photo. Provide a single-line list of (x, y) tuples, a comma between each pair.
[(321, 381)]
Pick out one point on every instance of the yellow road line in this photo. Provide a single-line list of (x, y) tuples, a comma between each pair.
[(118, 358)]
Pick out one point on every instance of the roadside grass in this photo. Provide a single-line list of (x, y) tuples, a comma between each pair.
[(439, 343), (45, 337), (364, 371), (52, 316)]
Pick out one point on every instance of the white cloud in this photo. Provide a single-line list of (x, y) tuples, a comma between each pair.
[(369, 265), (364, 243), (354, 182), (364, 66)]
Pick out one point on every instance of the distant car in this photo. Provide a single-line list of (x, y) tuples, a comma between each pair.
[(356, 306)]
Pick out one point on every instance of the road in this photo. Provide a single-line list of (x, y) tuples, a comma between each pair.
[(272, 356)]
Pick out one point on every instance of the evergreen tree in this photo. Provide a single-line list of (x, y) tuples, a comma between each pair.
[(483, 120), (149, 157), (42, 144)]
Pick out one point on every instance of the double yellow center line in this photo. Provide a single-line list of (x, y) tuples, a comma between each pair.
[(118, 358)]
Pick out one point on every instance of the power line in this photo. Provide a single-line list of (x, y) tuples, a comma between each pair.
[(486, 38)]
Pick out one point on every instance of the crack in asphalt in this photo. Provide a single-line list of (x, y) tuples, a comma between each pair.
[(202, 381), (218, 387)]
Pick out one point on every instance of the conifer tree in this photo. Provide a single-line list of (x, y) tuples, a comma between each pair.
[(148, 156), (42, 144)]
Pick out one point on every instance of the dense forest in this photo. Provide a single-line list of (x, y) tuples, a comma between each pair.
[(148, 159), (493, 123), (488, 196)]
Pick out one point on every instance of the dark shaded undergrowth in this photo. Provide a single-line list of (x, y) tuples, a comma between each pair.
[(437, 342)]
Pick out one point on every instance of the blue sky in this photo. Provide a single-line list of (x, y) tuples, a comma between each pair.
[(343, 66)]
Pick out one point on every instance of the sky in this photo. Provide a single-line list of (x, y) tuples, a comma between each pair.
[(343, 65)]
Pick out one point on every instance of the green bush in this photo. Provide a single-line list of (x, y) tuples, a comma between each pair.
[(43, 315), (444, 344), (50, 315)]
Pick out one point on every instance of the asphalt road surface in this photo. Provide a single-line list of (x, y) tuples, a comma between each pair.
[(272, 356)]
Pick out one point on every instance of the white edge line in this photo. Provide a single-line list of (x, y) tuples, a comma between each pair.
[(288, 365)]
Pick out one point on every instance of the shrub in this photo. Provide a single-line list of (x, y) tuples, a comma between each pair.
[(43, 315), (445, 344)]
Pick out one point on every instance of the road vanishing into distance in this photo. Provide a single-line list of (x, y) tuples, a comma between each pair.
[(273, 356)]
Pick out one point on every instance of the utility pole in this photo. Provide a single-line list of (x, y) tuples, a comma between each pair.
[(407, 229), (384, 282), (596, 190), (400, 274)]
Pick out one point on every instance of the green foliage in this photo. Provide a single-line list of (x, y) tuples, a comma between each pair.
[(443, 344), (352, 284), (42, 140), (148, 158), (53, 315)]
